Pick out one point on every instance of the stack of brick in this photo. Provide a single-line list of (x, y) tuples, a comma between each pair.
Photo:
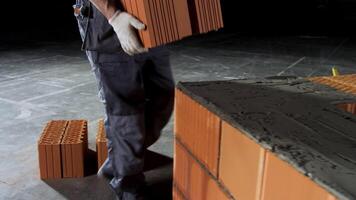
[(62, 148), (101, 144), (344, 83), (213, 160), (171, 20)]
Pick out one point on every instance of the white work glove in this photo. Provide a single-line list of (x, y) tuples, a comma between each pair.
[(124, 25)]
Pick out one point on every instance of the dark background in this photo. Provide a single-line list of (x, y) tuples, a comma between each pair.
[(53, 20)]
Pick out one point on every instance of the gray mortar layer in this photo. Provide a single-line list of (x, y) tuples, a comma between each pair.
[(294, 118)]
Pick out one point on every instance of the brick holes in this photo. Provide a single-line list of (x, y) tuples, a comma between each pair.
[(62, 148), (348, 107)]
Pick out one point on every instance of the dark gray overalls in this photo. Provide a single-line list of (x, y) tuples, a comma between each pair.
[(138, 93)]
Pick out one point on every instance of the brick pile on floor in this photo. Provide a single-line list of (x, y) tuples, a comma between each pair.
[(62, 148)]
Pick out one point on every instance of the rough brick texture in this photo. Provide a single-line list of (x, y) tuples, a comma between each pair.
[(193, 180), (348, 107), (215, 160), (241, 164), (171, 20), (49, 155), (282, 181), (345, 83), (101, 144), (62, 148), (74, 147), (199, 130)]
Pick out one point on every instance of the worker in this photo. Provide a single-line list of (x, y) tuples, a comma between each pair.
[(135, 84)]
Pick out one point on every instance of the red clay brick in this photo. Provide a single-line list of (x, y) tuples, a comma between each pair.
[(173, 21), (134, 11), (49, 157), (282, 181), (48, 149), (74, 147), (101, 144), (156, 23), (166, 20), (170, 20), (161, 24), (348, 107), (241, 164), (66, 152), (128, 6), (78, 169), (57, 169), (199, 130), (42, 161), (148, 35), (195, 16), (210, 15), (193, 180), (203, 17), (177, 194), (183, 19), (181, 168), (213, 15)]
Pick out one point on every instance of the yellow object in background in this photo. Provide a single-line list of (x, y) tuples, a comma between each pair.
[(335, 71)]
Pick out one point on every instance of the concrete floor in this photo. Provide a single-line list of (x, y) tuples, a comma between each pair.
[(40, 81)]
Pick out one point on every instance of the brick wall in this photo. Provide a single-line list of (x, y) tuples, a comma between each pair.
[(214, 160)]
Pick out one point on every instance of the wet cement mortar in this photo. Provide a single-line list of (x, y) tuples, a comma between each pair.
[(296, 119)]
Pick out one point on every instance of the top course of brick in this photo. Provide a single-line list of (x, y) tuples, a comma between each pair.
[(296, 119)]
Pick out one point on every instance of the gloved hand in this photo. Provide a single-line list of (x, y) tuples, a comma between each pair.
[(124, 25)]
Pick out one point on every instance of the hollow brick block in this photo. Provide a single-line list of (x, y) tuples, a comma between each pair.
[(171, 20), (282, 181), (241, 164), (101, 144), (193, 180), (199, 130), (177, 195), (49, 155), (74, 147)]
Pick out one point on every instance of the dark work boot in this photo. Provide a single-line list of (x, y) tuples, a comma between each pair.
[(106, 170), (140, 193), (132, 196)]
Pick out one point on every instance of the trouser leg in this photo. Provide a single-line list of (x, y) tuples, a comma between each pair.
[(92, 56), (136, 89), (82, 24), (107, 169), (125, 100), (159, 90)]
